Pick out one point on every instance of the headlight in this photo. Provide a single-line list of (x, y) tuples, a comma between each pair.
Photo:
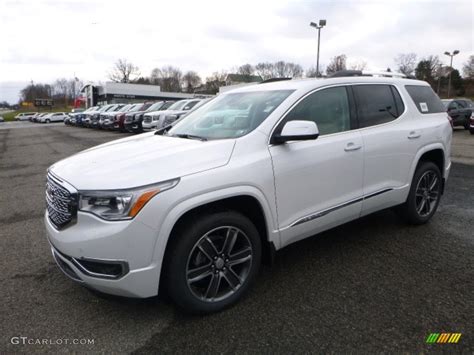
[(122, 204)]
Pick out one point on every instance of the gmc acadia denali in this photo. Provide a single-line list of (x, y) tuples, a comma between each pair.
[(195, 209)]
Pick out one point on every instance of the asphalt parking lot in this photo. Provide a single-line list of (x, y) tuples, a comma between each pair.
[(373, 285)]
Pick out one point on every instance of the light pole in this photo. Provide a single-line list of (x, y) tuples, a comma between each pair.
[(451, 68), (321, 24)]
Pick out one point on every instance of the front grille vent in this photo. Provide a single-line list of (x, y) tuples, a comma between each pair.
[(61, 203)]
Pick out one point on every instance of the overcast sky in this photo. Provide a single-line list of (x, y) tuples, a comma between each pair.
[(42, 40)]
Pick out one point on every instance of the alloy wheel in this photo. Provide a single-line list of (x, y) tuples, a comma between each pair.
[(219, 264), (427, 193)]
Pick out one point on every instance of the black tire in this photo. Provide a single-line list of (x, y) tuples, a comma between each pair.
[(47, 120), (410, 210), (466, 125), (184, 251), (471, 130)]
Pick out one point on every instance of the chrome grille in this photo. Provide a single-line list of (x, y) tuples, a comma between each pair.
[(147, 119), (60, 202)]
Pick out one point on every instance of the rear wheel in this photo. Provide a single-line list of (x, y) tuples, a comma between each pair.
[(471, 130), (425, 194), (48, 120), (212, 262)]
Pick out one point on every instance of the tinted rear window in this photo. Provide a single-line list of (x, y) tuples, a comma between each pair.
[(425, 99), (377, 104)]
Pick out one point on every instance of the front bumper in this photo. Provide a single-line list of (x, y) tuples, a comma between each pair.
[(149, 125), (133, 126), (129, 243)]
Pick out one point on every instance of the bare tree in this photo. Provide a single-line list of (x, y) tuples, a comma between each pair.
[(36, 91), (284, 69), (265, 70), (123, 71), (74, 85), (168, 77), (311, 72), (468, 68), (427, 68), (191, 80), (280, 69), (61, 88), (406, 63), (358, 65), (215, 81), (337, 63), (246, 69)]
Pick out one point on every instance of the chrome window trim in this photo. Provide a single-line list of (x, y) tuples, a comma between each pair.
[(275, 126)]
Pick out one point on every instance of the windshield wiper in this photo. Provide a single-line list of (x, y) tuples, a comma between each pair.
[(188, 136)]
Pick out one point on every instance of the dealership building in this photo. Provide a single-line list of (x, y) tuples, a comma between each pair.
[(111, 92)]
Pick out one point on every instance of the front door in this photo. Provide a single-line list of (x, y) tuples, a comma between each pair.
[(319, 182)]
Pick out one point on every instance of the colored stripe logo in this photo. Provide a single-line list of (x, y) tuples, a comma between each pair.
[(442, 338)]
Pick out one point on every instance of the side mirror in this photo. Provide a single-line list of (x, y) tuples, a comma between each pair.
[(296, 131)]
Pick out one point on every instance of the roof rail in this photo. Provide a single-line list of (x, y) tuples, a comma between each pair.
[(272, 80), (343, 73)]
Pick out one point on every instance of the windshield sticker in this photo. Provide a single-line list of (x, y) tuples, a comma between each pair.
[(423, 107)]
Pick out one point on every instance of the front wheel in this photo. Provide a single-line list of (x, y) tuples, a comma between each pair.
[(425, 194), (48, 121), (212, 261), (471, 130)]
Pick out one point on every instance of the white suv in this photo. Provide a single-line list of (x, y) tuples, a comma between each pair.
[(25, 116), (53, 117), (251, 172)]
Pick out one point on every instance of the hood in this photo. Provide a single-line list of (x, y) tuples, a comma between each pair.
[(160, 112), (141, 160)]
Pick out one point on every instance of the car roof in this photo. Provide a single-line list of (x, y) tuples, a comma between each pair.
[(313, 83)]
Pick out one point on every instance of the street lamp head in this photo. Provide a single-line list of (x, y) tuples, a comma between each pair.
[(447, 53), (455, 52), (312, 24), (322, 23)]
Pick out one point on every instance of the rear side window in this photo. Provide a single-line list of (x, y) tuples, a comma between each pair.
[(425, 99), (377, 104)]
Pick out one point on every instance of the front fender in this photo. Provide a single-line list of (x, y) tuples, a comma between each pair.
[(182, 207)]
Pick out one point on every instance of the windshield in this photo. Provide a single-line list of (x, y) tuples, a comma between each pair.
[(446, 102), (135, 107), (178, 105), (156, 106), (166, 105), (230, 115)]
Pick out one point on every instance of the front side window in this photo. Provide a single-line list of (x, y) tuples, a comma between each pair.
[(328, 108), (376, 104), (230, 115)]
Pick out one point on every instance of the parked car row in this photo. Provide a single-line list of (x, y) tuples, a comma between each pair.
[(47, 117), (133, 118)]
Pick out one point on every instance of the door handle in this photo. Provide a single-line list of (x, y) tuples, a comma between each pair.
[(414, 135), (352, 146)]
